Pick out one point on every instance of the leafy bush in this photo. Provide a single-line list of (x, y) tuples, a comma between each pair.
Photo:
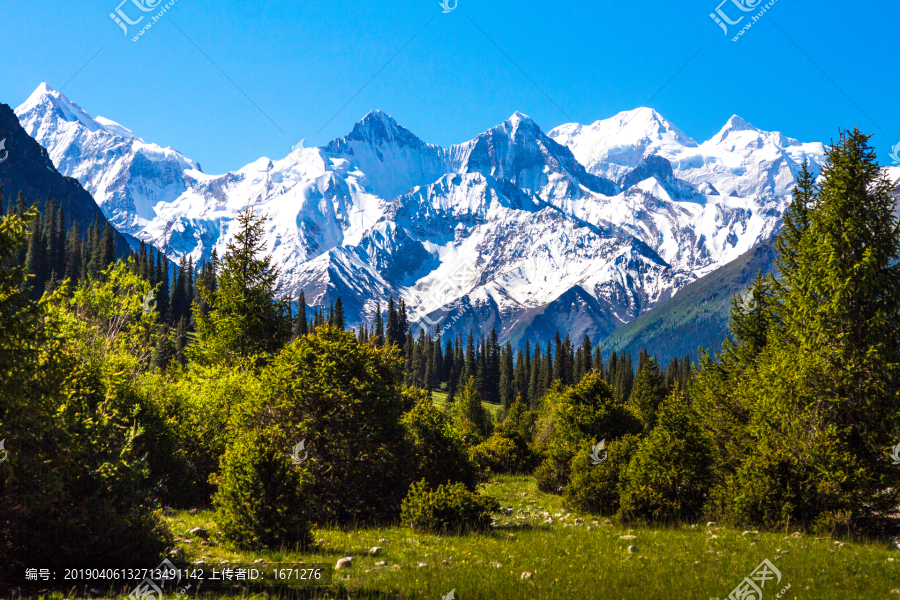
[(259, 502), (469, 417), (593, 488), (447, 509), (344, 398), (669, 476), (192, 413), (440, 456), (588, 411), (498, 454)]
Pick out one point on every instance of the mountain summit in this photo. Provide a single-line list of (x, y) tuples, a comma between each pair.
[(583, 228)]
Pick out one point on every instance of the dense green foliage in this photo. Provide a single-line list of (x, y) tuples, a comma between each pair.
[(260, 500), (440, 455), (803, 405), (450, 508), (73, 488)]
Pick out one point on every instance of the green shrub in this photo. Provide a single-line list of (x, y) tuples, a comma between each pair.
[(345, 399), (586, 412), (447, 509), (469, 417), (192, 413), (440, 456), (593, 488), (499, 455), (259, 502), (669, 475)]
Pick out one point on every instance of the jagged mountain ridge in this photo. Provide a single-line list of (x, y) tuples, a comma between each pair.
[(26, 167), (516, 229)]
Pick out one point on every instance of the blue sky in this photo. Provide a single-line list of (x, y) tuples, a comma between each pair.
[(805, 69)]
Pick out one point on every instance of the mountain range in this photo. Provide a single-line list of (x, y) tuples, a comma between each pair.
[(580, 229)]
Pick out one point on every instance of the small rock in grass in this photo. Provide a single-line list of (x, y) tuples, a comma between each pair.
[(632, 549), (445, 563), (193, 511), (374, 551), (750, 533), (895, 591), (382, 540), (796, 534), (496, 565), (525, 575), (892, 559), (711, 524), (627, 537), (423, 565), (381, 563), (259, 560), (198, 532), (396, 567), (344, 563), (177, 553), (578, 521)]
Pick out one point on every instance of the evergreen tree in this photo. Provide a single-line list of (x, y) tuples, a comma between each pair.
[(245, 319), (379, 325), (300, 327), (337, 316)]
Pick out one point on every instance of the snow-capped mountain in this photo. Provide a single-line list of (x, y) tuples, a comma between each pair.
[(581, 229)]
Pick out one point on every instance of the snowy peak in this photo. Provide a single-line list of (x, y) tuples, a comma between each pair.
[(379, 128), (735, 123), (518, 151), (609, 147), (46, 103)]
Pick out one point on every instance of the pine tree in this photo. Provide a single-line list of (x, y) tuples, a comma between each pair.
[(379, 325), (337, 316), (300, 329), (507, 379), (246, 318)]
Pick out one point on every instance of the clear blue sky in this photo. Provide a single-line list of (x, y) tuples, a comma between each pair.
[(301, 62)]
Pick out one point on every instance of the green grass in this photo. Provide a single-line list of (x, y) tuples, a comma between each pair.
[(440, 399), (588, 560)]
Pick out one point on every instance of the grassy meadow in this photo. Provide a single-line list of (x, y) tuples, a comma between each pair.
[(575, 556)]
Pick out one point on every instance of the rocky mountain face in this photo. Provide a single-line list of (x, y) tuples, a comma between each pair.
[(26, 167), (581, 229)]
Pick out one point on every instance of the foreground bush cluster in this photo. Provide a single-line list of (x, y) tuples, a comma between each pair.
[(789, 424)]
